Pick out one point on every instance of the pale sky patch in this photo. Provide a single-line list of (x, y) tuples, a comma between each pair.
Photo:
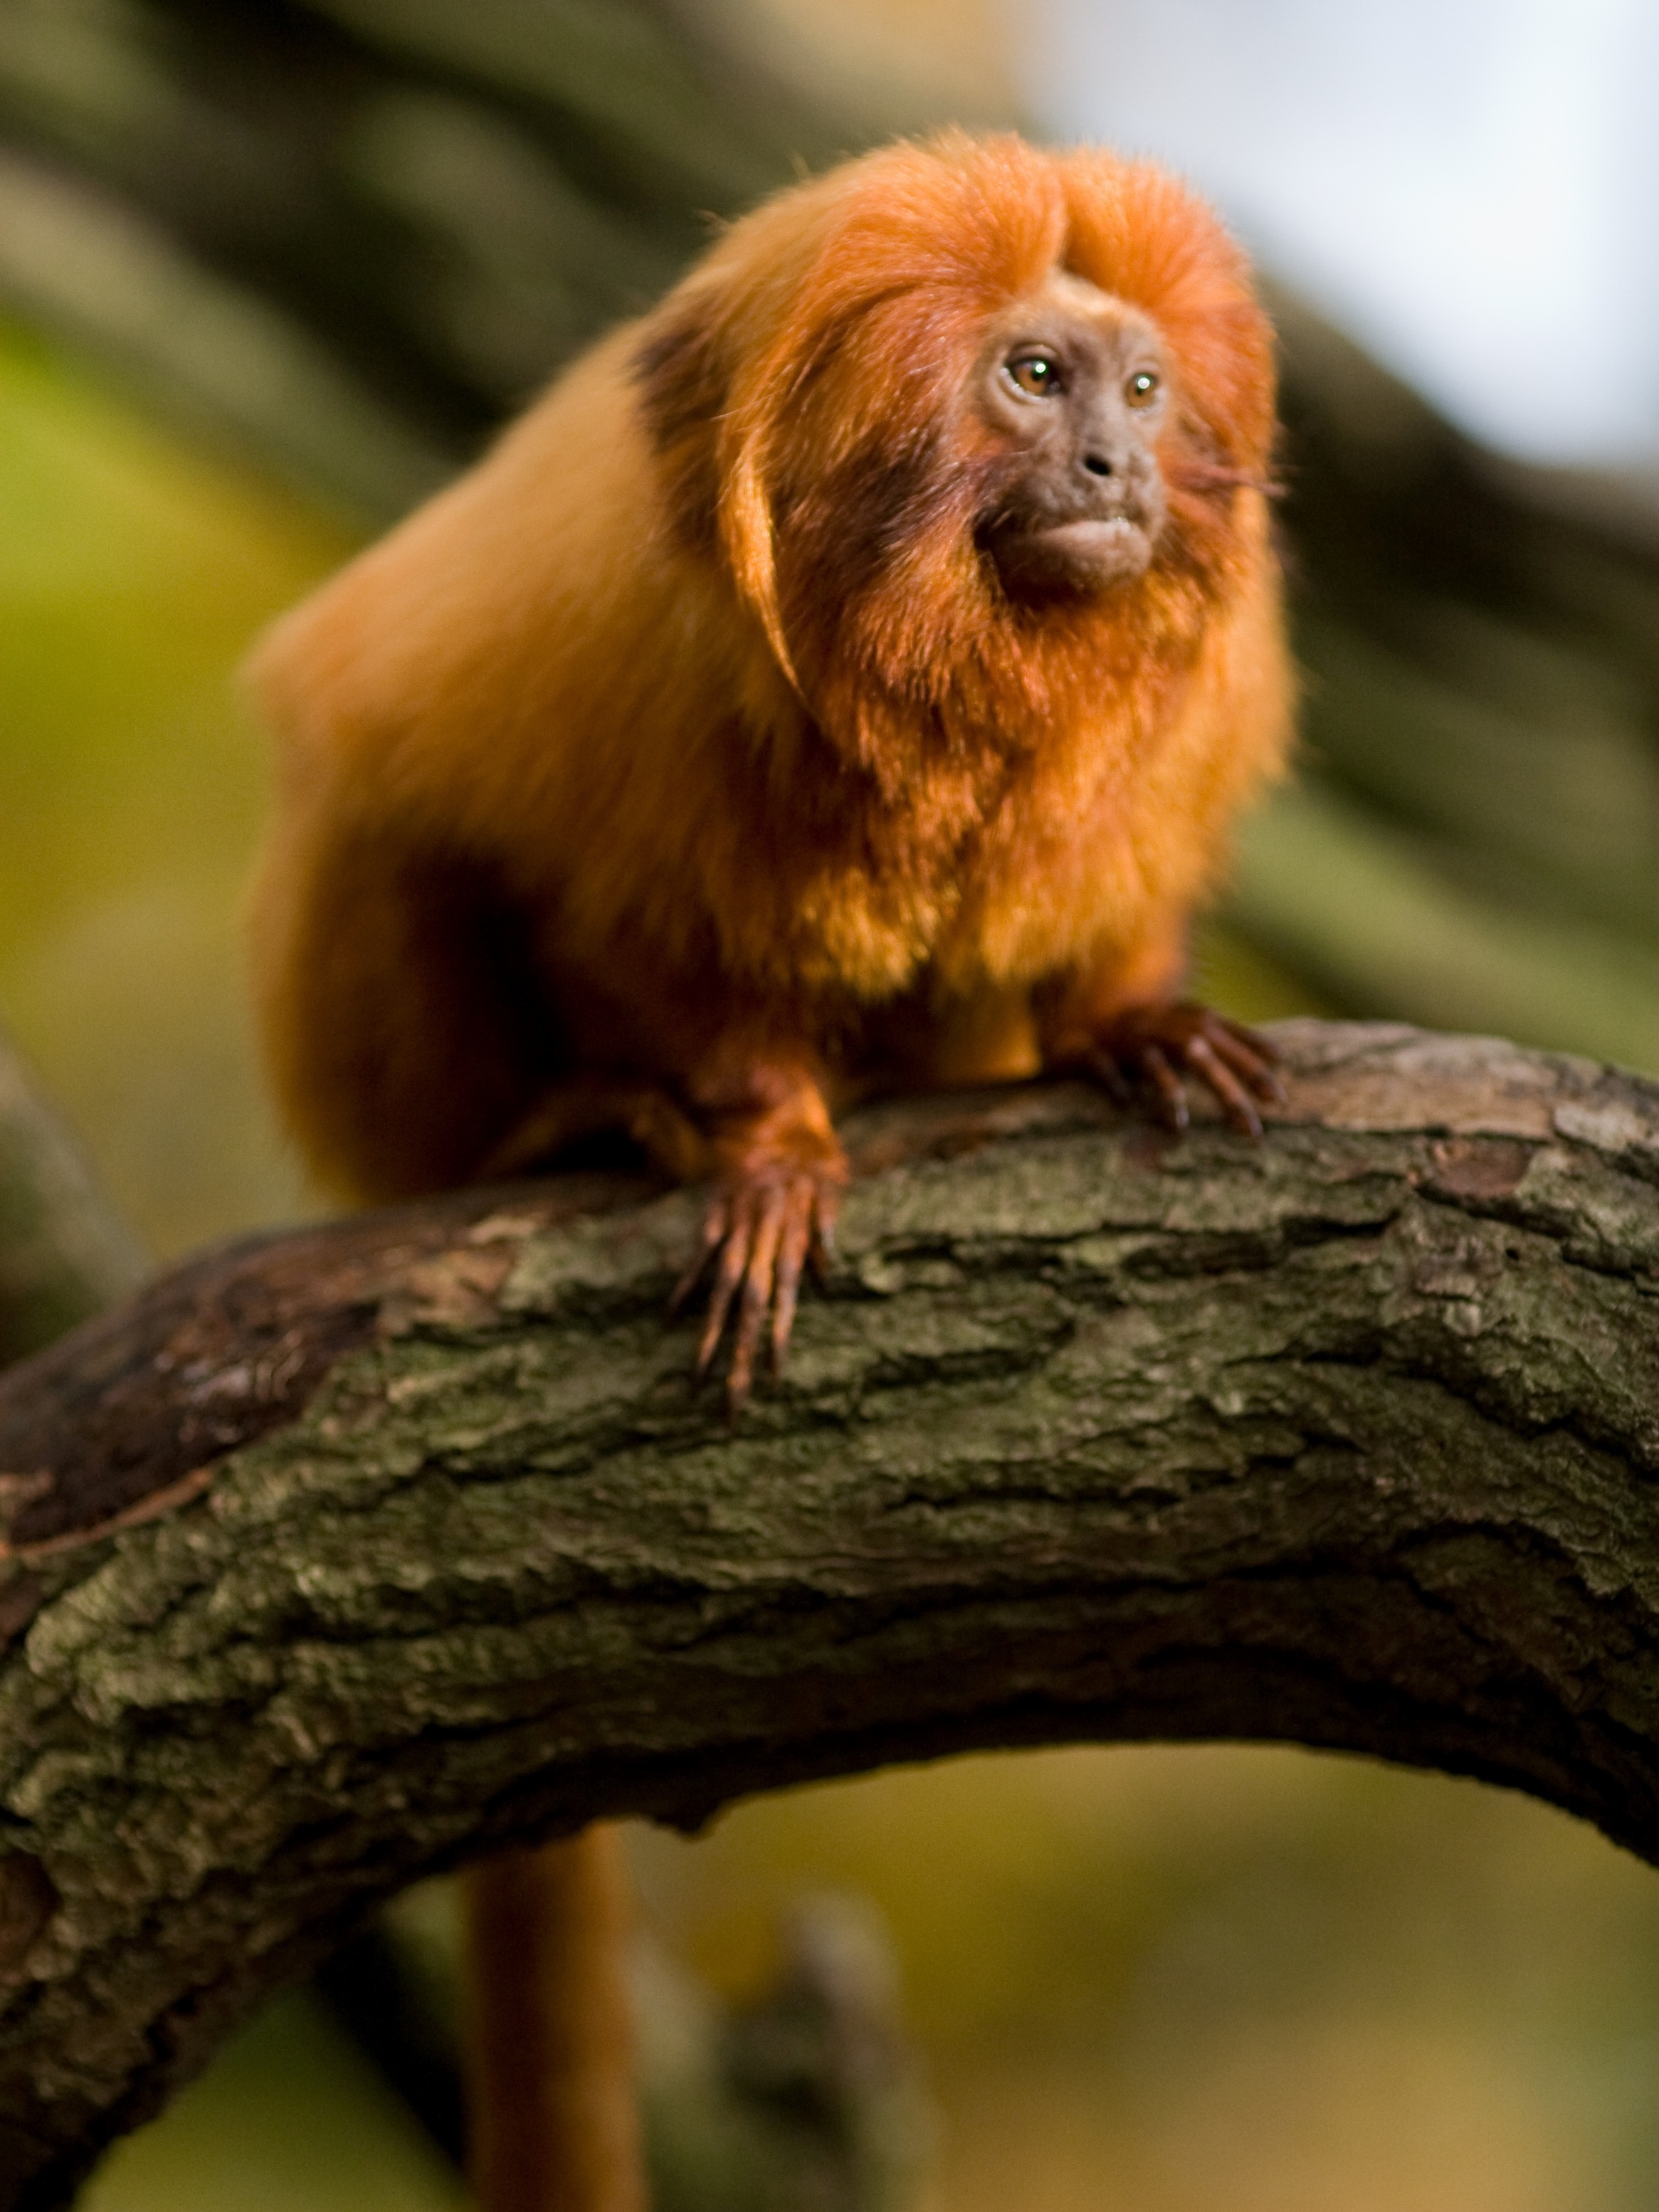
[(1470, 187)]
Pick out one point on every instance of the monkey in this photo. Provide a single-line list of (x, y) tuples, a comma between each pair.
[(843, 679)]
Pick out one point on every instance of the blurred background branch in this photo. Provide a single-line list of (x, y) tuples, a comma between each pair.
[(356, 233), (65, 1251)]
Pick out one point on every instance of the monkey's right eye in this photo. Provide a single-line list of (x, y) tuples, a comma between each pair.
[(1037, 374)]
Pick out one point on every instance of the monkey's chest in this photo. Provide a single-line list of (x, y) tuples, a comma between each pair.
[(997, 914)]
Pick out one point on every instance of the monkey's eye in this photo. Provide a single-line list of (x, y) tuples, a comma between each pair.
[(1142, 388), (1037, 374)]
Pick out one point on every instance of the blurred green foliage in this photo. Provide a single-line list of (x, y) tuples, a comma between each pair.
[(291, 2117), (133, 572), (1232, 1980), (353, 232)]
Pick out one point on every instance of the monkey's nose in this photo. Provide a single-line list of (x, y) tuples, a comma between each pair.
[(1097, 465)]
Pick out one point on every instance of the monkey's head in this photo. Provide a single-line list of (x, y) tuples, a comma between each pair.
[(958, 411)]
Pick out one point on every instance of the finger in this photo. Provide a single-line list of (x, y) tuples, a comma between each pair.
[(1248, 1056), (756, 1301), (1235, 1101), (1111, 1076), (792, 1256), (1171, 1097), (1262, 1047), (714, 1224), (825, 1209), (734, 1254)]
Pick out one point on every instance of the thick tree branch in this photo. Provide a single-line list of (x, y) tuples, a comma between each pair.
[(340, 1556)]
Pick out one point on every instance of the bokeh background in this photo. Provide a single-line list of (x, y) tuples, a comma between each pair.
[(267, 275)]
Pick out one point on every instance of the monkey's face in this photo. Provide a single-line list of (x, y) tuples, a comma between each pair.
[(1071, 388)]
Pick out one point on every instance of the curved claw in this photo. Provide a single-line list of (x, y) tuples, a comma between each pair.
[(713, 1230), (1163, 1044), (762, 1230), (1171, 1091)]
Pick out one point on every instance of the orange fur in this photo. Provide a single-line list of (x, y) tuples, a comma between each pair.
[(684, 766), (690, 725)]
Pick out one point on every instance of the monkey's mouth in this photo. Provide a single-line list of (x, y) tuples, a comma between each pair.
[(1103, 550), (1091, 553)]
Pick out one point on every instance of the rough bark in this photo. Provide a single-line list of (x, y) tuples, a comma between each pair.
[(340, 1556)]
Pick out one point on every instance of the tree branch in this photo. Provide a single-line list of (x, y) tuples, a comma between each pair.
[(341, 1556)]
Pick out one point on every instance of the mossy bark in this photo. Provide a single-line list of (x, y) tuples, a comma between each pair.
[(342, 1556)]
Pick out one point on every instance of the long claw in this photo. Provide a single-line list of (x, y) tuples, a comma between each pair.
[(822, 1251), (715, 1226), (1235, 1101), (1109, 1076), (1162, 1044), (826, 1212), (756, 1299), (761, 1230), (734, 1258), (1172, 1096), (792, 1255), (1252, 1057)]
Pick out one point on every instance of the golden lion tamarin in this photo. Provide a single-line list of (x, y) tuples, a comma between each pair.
[(842, 678)]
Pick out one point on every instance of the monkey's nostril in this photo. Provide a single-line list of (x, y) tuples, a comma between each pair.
[(1097, 465)]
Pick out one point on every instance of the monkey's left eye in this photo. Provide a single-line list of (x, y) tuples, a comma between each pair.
[(1037, 374), (1142, 388)]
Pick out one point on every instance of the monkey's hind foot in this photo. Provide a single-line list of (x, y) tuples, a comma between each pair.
[(762, 1227), (1162, 1047)]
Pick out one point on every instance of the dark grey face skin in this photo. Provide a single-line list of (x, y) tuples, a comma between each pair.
[(1074, 384)]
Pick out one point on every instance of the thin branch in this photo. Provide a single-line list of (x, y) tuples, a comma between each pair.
[(64, 1251)]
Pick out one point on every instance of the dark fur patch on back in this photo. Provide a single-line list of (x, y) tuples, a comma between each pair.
[(682, 393)]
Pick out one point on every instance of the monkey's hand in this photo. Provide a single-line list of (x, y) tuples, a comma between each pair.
[(1160, 1046), (779, 1177)]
